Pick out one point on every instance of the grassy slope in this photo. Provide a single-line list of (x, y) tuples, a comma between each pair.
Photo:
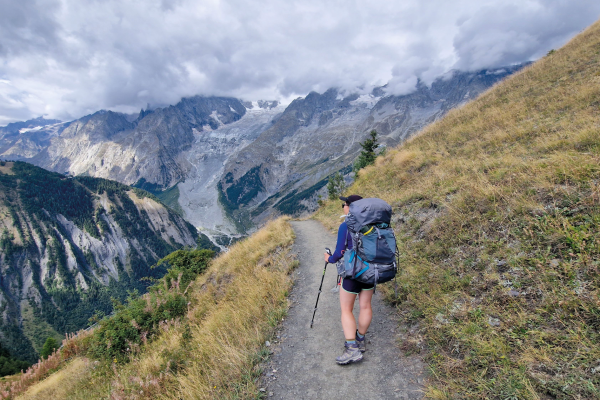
[(213, 352), (497, 212)]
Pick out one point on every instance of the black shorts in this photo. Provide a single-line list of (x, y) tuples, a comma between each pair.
[(354, 286)]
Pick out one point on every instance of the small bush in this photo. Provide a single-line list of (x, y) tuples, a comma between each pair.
[(134, 324), (49, 346)]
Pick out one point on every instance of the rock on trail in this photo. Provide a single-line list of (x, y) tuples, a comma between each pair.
[(303, 362)]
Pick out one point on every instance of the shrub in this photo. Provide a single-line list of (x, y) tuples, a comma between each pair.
[(50, 345), (121, 336), (336, 186), (134, 324)]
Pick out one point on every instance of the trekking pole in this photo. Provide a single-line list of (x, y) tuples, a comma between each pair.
[(320, 287)]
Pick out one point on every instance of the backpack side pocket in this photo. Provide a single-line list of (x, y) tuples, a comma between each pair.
[(345, 265)]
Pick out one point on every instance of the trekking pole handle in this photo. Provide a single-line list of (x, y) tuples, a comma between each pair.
[(328, 251)]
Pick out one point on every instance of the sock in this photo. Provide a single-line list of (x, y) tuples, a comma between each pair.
[(351, 341), (359, 336)]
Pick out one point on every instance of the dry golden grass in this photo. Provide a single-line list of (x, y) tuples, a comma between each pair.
[(497, 218), (18, 384), (213, 352), (59, 384), (6, 168), (235, 309)]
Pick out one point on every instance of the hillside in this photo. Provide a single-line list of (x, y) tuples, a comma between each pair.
[(187, 338), (497, 213), (69, 245)]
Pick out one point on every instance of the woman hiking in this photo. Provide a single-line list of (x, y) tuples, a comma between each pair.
[(355, 338)]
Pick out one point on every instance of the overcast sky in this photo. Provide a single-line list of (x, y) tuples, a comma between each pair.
[(67, 58)]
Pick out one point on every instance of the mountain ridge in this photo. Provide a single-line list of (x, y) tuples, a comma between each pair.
[(213, 148)]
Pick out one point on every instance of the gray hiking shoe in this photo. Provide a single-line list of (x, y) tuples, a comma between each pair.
[(362, 344), (351, 354)]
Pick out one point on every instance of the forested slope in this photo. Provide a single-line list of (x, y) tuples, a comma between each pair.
[(67, 245)]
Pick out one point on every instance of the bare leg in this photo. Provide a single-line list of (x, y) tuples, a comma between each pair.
[(348, 321), (366, 313)]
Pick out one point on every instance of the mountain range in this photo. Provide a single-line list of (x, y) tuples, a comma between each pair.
[(228, 165)]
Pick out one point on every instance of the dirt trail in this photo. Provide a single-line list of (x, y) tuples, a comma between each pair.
[(303, 361)]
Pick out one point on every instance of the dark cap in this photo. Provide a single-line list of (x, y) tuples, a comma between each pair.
[(351, 198)]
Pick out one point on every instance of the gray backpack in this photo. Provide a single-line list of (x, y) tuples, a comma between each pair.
[(372, 259)]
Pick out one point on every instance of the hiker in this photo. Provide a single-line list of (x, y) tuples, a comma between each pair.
[(355, 338)]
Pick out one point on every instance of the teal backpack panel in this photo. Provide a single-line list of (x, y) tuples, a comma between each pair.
[(377, 245)]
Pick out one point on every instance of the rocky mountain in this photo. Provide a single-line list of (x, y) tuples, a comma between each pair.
[(69, 245), (227, 164), (25, 126), (26, 139), (319, 135)]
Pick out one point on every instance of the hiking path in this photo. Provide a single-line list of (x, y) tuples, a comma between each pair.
[(302, 365)]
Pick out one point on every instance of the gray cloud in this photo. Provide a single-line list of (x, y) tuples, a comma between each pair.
[(24, 29), (501, 34), (65, 59)]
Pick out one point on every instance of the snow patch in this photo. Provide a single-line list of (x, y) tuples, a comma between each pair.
[(368, 99), (37, 128), (215, 116)]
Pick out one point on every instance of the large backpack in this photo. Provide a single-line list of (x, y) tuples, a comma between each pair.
[(372, 259)]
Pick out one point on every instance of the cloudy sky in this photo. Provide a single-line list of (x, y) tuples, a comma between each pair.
[(67, 58)]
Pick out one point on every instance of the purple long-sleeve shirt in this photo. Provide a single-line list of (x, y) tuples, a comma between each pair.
[(344, 242)]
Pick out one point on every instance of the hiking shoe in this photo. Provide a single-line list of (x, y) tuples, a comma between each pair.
[(361, 343), (351, 354)]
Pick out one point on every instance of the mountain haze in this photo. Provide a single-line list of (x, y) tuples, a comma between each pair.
[(319, 135)]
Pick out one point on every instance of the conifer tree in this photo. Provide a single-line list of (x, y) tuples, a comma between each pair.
[(50, 345), (336, 186), (367, 155)]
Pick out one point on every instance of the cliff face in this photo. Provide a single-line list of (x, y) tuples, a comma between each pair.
[(149, 148), (67, 245), (320, 134)]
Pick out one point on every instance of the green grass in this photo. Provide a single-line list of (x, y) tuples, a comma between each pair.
[(170, 198)]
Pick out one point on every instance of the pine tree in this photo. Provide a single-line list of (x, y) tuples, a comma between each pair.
[(367, 155), (50, 345), (336, 186)]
